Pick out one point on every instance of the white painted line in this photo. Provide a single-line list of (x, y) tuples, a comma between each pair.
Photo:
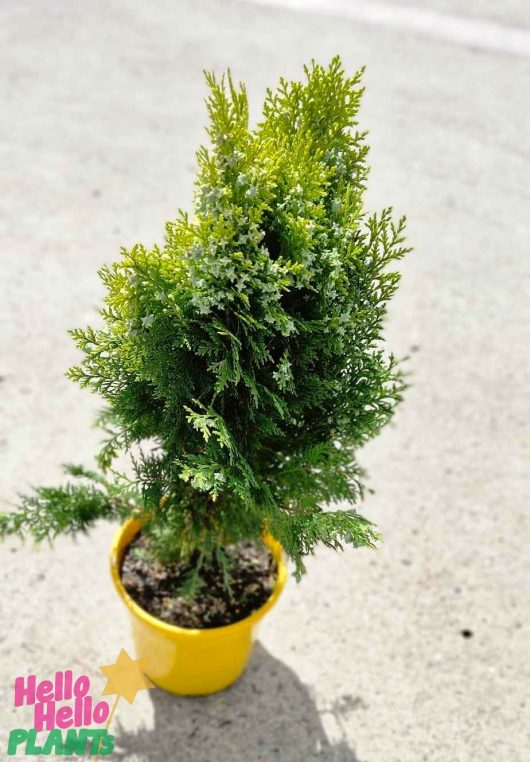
[(473, 33)]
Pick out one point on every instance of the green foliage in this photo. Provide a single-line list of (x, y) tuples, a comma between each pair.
[(50, 511), (244, 358)]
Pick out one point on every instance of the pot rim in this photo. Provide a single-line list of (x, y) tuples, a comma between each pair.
[(124, 537)]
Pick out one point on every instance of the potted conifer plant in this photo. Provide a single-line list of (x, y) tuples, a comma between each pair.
[(241, 365)]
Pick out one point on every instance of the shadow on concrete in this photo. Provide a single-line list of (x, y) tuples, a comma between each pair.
[(267, 715)]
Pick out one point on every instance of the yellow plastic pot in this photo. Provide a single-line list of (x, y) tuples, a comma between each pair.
[(185, 661)]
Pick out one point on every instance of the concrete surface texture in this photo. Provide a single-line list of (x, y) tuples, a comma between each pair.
[(102, 110)]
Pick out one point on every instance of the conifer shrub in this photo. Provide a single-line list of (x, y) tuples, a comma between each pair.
[(242, 363)]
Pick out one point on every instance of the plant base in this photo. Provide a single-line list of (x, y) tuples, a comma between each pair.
[(191, 662)]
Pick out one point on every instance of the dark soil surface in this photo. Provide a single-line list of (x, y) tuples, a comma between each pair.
[(155, 587)]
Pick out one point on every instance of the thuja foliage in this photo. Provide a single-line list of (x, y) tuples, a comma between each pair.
[(242, 362)]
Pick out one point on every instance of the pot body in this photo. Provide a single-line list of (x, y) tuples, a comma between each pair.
[(185, 661)]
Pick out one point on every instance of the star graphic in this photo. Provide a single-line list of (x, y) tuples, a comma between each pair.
[(126, 677)]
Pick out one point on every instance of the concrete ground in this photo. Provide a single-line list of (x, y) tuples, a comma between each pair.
[(101, 111)]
